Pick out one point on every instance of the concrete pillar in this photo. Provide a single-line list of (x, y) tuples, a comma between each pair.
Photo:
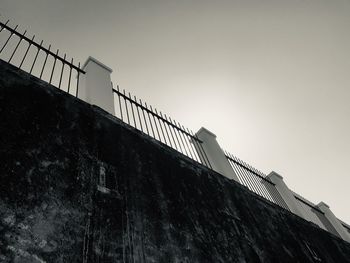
[(95, 85), (286, 194), (334, 221), (215, 154)]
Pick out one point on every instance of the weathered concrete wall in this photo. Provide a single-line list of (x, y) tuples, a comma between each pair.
[(160, 206)]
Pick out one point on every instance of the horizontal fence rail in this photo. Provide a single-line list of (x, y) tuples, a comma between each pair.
[(23, 52), (255, 180), (158, 126)]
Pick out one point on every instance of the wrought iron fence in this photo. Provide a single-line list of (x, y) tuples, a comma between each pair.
[(23, 52), (158, 126), (255, 180), (162, 128)]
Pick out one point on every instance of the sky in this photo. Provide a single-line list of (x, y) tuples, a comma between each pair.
[(269, 77)]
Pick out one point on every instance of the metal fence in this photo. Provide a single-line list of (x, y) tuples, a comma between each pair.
[(23, 52), (255, 180), (160, 127)]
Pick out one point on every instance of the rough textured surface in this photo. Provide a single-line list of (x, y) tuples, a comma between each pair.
[(158, 206)]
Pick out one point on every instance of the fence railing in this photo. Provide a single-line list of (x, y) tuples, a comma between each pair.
[(255, 180), (23, 52), (160, 127)]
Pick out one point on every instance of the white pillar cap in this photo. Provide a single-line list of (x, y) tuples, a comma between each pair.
[(275, 174), (97, 62), (204, 130), (322, 204)]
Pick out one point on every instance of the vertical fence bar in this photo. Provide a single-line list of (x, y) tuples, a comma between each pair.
[(160, 125), (59, 85), (42, 70), (272, 193), (120, 104), (245, 175), (36, 56), (184, 135), (181, 139), (25, 55), (192, 143), (155, 123), (241, 177), (150, 122), (138, 113), (277, 195), (175, 132), (169, 127), (250, 177), (195, 142), (132, 110), (269, 188), (53, 67), (233, 166), (8, 40), (77, 90), (263, 190), (19, 42), (126, 107), (144, 118), (70, 75), (166, 130)]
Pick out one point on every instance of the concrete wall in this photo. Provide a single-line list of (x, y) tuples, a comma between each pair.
[(77, 185)]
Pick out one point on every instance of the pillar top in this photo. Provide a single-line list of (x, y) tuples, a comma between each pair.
[(91, 59), (204, 130), (273, 173), (322, 204)]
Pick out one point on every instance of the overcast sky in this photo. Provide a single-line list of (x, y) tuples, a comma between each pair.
[(269, 77)]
